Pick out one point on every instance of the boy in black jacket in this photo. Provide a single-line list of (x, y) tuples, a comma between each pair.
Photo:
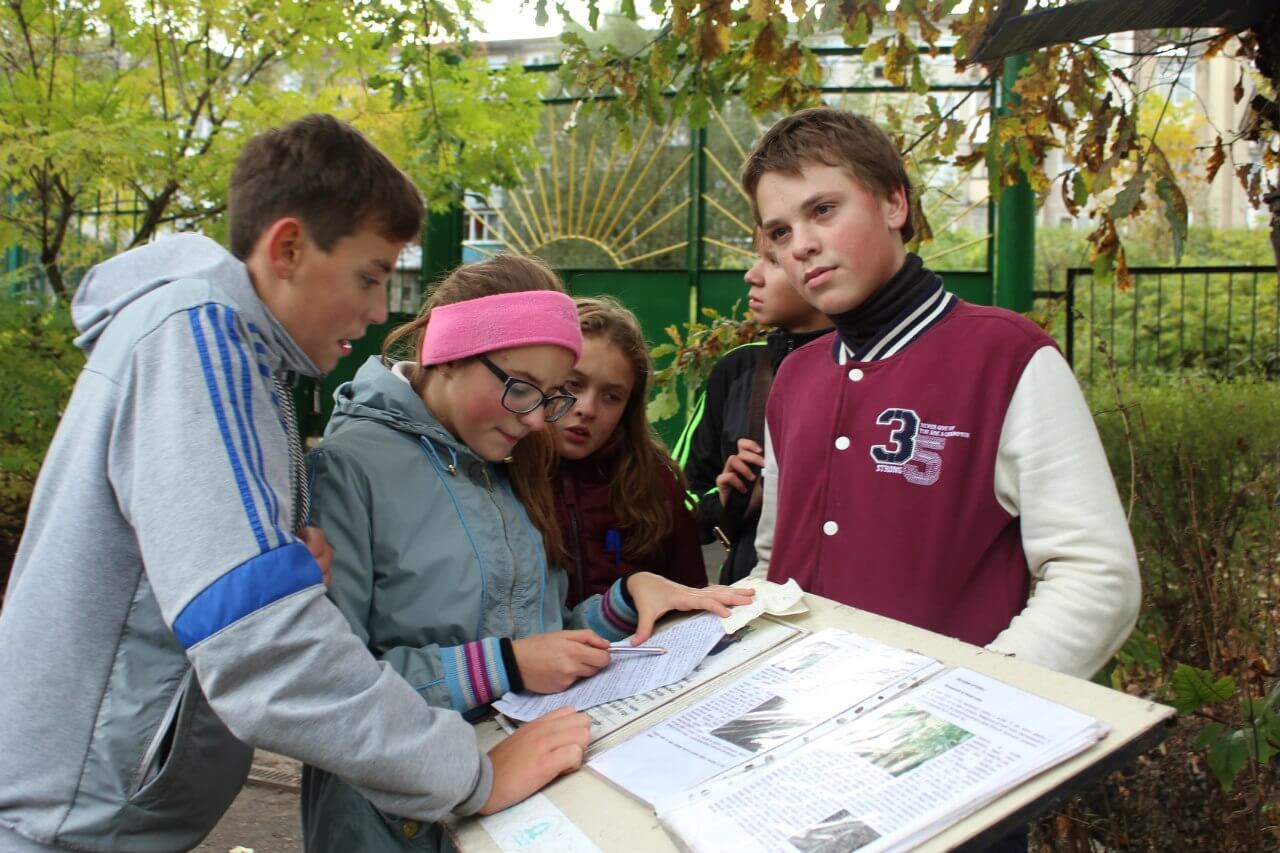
[(721, 448)]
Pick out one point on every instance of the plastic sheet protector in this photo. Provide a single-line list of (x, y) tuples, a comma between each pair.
[(783, 698), (888, 778)]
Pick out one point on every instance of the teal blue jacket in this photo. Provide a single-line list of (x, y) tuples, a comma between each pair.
[(435, 561)]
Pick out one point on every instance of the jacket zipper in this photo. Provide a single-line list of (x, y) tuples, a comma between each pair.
[(515, 566), (577, 551)]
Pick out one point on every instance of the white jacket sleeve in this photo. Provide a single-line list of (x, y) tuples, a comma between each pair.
[(1052, 473), (768, 509)]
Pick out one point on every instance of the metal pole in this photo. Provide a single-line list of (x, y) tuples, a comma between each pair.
[(1015, 220), (695, 250), (441, 244)]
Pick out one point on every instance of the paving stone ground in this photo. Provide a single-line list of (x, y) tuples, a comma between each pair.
[(263, 818)]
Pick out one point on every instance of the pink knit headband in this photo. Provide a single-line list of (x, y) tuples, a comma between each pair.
[(502, 321)]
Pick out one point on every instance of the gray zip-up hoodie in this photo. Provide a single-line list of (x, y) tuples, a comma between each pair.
[(158, 568)]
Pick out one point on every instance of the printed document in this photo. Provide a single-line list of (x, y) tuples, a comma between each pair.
[(687, 643), (732, 651), (887, 779), (787, 695)]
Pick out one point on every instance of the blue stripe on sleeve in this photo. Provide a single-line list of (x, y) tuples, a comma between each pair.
[(246, 589), (215, 397), (256, 463)]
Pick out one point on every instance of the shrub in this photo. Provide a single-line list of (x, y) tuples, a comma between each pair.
[(1199, 465), (41, 365)]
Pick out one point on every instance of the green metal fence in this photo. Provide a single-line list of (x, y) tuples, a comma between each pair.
[(1215, 321)]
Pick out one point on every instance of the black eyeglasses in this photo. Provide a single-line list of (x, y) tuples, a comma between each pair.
[(521, 398)]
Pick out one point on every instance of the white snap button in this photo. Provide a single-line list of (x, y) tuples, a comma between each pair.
[(831, 528), (855, 375), (842, 443)]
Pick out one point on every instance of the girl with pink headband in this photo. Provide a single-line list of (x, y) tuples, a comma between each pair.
[(432, 485)]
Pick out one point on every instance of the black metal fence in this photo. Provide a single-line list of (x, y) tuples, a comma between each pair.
[(1216, 321)]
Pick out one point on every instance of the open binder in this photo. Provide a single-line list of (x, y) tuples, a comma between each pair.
[(881, 736), (839, 742)]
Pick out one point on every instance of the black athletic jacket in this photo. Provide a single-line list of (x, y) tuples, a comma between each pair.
[(719, 419)]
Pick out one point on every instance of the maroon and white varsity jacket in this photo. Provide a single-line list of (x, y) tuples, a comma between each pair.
[(933, 481)]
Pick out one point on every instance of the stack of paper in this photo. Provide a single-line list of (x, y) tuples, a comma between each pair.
[(887, 779)]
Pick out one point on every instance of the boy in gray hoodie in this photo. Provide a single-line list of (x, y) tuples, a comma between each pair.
[(165, 611)]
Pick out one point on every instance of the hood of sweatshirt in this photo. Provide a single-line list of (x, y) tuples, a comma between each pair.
[(113, 285), (383, 394)]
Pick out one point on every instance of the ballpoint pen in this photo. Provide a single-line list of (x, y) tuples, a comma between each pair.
[(637, 650)]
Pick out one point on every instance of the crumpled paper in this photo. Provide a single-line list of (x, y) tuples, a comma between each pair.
[(785, 599)]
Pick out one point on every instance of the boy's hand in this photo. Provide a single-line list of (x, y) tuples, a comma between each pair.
[(655, 596), (738, 469), (313, 538), (535, 755), (551, 662)]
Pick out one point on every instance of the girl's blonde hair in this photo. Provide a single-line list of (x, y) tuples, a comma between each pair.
[(533, 459), (633, 457)]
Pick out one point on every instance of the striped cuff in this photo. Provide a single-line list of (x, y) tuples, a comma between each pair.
[(474, 673), (614, 615)]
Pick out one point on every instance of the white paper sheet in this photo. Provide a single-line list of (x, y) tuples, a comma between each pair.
[(889, 779), (789, 694), (687, 643)]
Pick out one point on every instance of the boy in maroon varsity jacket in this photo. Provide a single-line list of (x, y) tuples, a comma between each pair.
[(934, 461)]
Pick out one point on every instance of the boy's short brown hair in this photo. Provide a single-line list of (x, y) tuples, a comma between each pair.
[(326, 173), (830, 137)]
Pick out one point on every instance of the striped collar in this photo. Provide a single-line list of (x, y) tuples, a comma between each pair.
[(914, 320)]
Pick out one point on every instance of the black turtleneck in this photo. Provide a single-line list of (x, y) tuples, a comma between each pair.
[(910, 286)]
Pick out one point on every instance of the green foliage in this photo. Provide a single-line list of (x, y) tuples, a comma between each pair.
[(1194, 688), (1229, 749), (1061, 247), (154, 101), (1124, 149), (1200, 465), (692, 354), (41, 365)]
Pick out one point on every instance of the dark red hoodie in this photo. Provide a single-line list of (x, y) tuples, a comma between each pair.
[(595, 541)]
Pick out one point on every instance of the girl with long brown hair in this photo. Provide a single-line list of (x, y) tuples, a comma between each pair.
[(432, 486), (619, 494)]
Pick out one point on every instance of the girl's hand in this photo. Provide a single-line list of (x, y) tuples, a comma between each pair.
[(551, 662), (655, 596), (535, 755)]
